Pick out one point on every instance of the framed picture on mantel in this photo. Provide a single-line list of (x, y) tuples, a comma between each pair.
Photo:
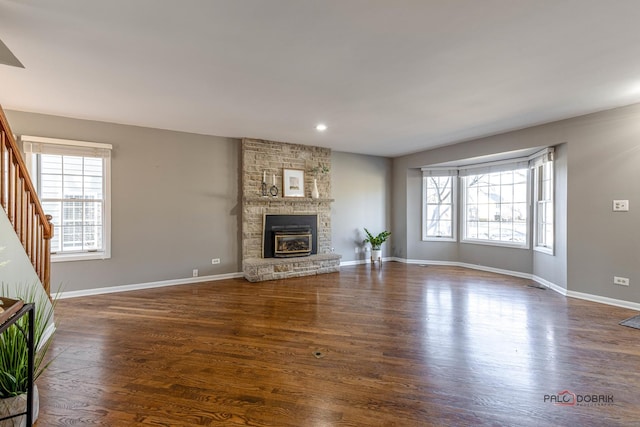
[(293, 182)]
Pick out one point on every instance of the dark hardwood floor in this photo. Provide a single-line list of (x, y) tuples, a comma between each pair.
[(404, 345)]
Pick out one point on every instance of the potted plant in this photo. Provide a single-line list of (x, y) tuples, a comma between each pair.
[(14, 354), (376, 243)]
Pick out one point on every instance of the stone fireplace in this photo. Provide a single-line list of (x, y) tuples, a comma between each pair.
[(270, 253)]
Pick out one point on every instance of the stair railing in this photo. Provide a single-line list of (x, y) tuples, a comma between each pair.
[(20, 201)]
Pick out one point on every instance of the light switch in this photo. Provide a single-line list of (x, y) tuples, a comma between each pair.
[(620, 205)]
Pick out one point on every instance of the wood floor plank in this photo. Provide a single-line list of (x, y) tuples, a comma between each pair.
[(404, 345)]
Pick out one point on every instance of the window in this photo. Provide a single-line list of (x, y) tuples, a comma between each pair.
[(495, 205), (72, 179), (544, 202), (496, 201), (438, 211)]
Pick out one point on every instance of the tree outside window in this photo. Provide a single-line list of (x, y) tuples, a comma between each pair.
[(439, 208)]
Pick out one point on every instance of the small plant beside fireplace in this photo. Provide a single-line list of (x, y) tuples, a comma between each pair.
[(376, 243)]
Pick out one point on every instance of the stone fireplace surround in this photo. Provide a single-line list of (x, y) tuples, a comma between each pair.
[(269, 157)]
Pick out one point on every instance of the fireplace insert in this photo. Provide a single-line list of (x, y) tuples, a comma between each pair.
[(291, 241), (289, 235)]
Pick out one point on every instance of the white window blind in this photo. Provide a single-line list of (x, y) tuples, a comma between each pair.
[(541, 157), (41, 145), (439, 172), (495, 167)]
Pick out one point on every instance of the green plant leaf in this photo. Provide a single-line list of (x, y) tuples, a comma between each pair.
[(13, 345), (376, 241)]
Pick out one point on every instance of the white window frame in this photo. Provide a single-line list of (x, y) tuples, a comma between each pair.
[(495, 167), (538, 164), (35, 145), (434, 172)]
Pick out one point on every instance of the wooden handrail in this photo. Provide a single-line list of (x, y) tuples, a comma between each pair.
[(20, 201)]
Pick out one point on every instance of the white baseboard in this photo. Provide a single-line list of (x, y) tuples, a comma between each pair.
[(148, 285), (497, 270), (604, 300), (540, 280), (363, 261), (192, 280), (548, 284), (465, 265), (356, 262), (430, 262)]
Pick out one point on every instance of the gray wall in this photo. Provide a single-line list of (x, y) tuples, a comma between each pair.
[(597, 161), (361, 187), (174, 202), (604, 164)]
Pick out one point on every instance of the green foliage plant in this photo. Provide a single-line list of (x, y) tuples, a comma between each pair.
[(13, 345), (376, 241)]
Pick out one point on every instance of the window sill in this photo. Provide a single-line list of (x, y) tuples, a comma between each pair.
[(86, 256), (439, 239), (496, 243), (543, 250)]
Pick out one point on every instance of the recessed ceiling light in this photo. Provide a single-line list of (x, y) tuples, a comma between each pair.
[(321, 127)]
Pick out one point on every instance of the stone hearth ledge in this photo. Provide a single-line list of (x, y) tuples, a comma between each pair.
[(261, 269)]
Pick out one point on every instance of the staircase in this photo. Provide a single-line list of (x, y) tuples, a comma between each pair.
[(19, 200)]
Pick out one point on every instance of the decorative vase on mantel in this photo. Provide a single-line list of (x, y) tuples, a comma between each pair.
[(321, 168)]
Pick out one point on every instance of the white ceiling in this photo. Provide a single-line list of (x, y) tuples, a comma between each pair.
[(389, 77)]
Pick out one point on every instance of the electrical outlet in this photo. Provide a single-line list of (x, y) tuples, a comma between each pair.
[(195, 272), (215, 261), (622, 281), (620, 205), (357, 250)]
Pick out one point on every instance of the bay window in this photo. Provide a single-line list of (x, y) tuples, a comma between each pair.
[(498, 202)]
